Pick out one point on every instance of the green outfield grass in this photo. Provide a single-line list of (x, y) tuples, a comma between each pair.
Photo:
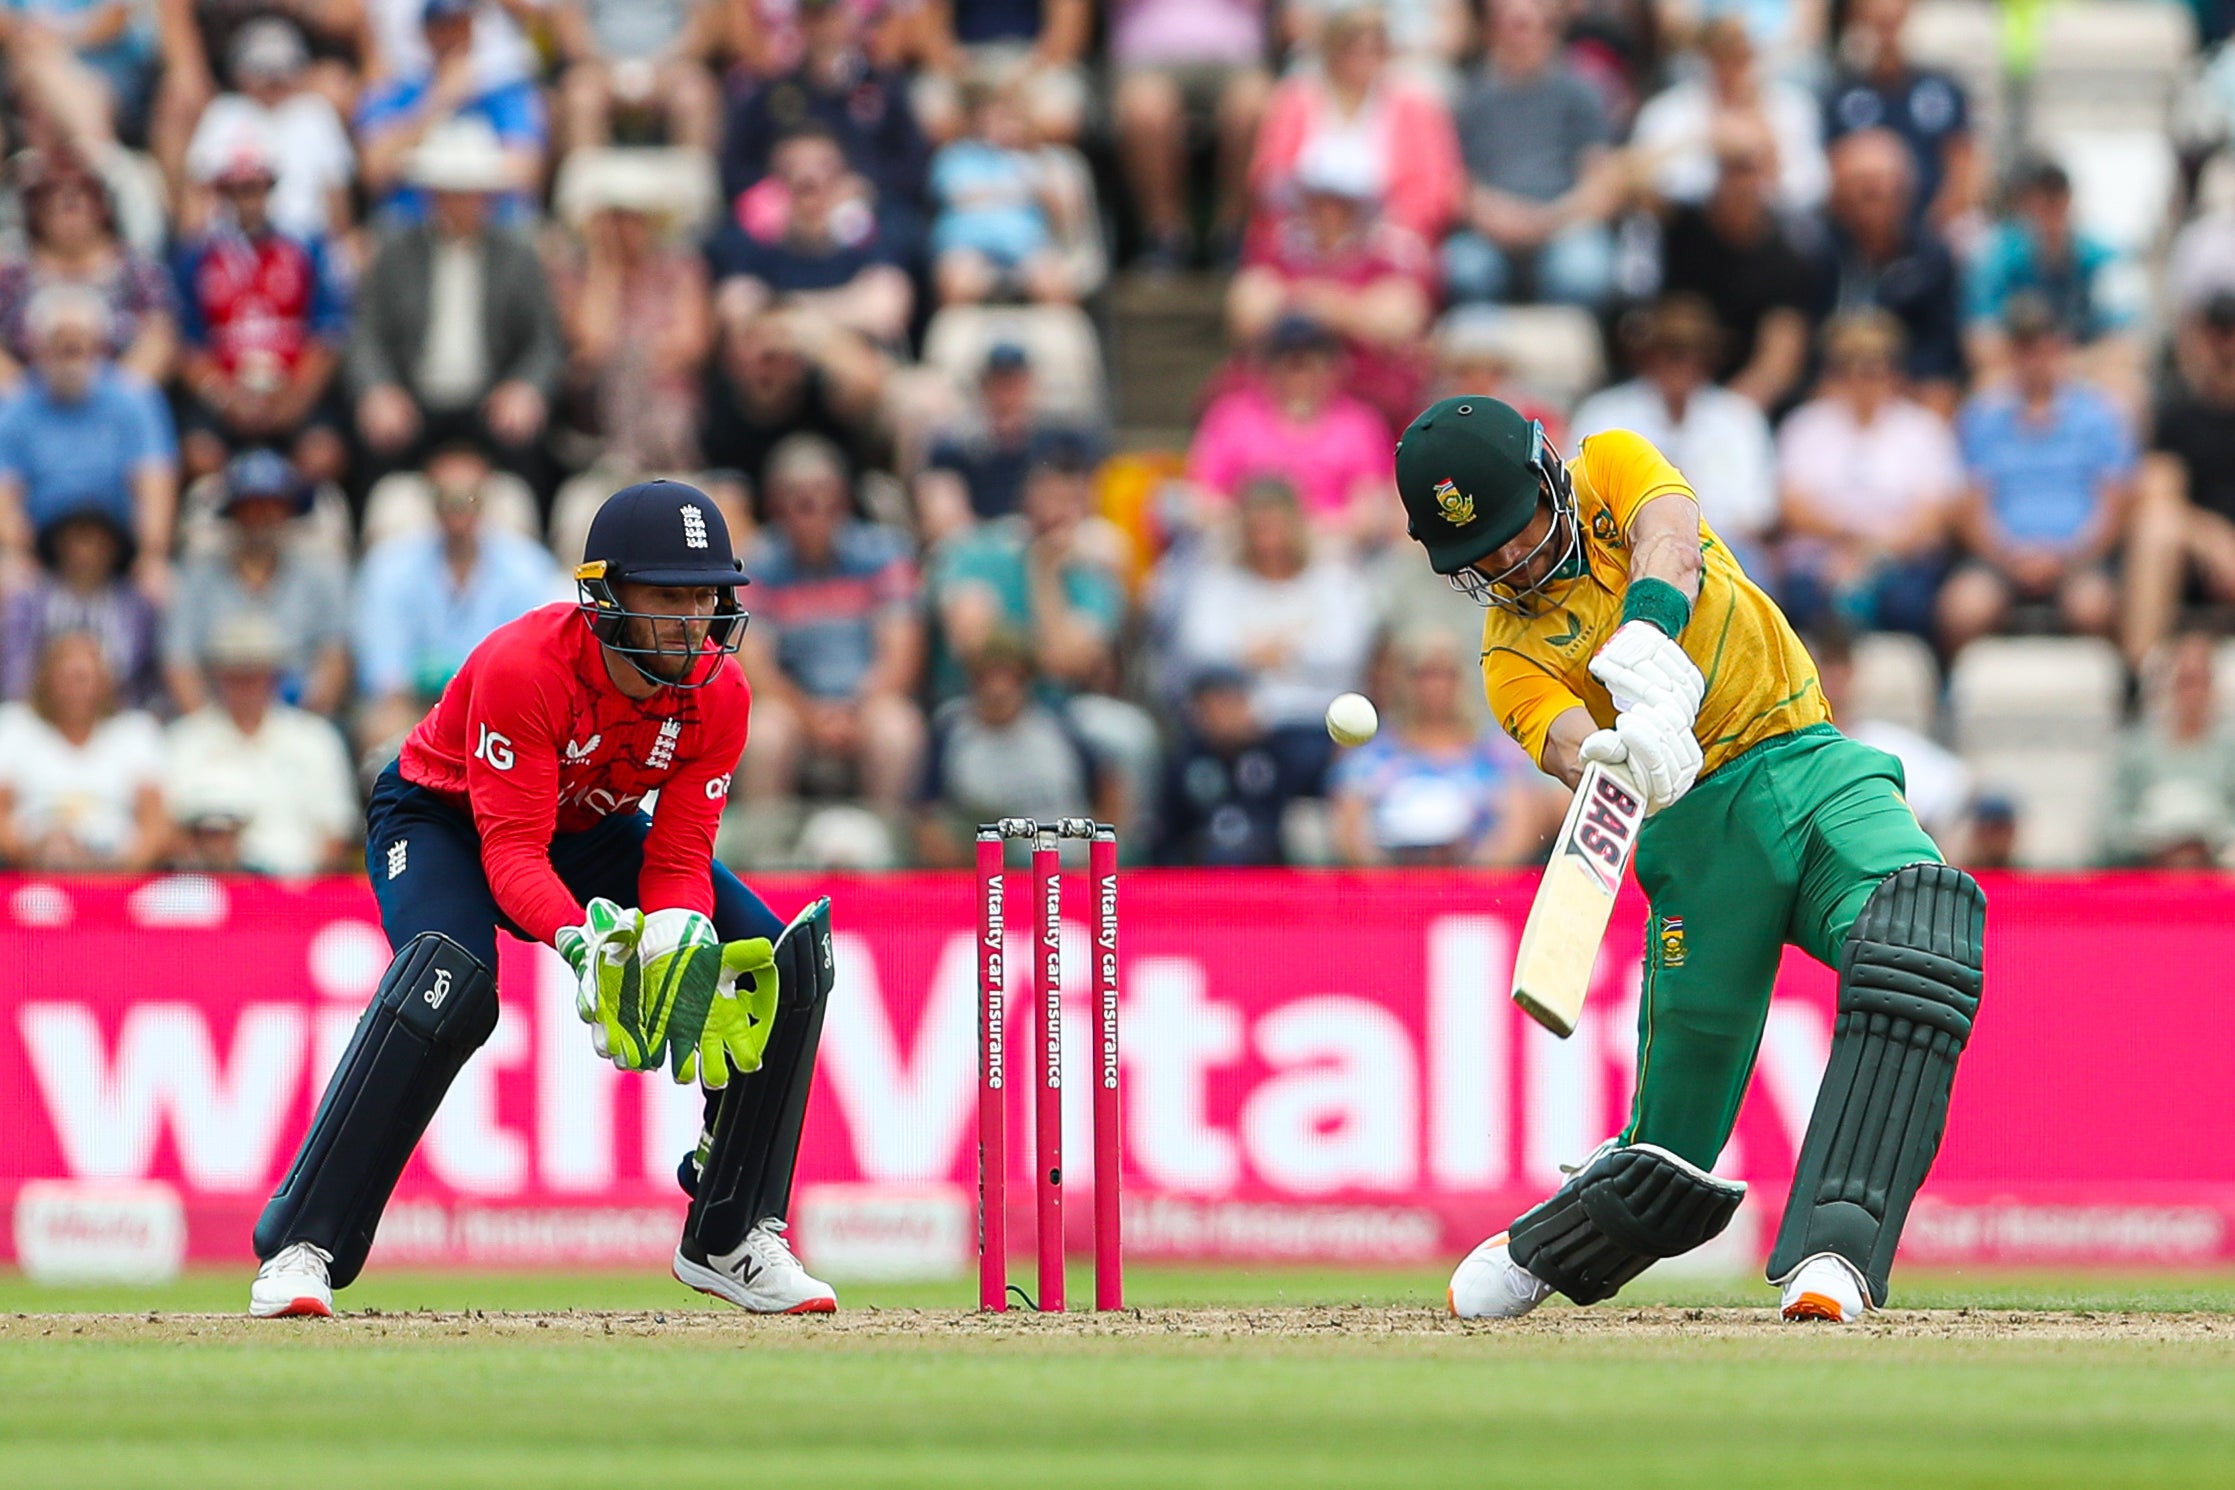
[(2141, 1392)]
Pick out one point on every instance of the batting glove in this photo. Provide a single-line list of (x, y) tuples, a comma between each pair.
[(1662, 755), (1643, 669)]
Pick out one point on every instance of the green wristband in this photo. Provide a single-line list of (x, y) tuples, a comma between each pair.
[(1661, 603)]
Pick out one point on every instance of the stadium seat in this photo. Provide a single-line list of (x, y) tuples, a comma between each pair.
[(1066, 355), (2036, 719), (678, 185), (2110, 64), (1896, 680), (2123, 184)]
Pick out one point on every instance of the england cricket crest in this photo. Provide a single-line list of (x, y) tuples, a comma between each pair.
[(1457, 507)]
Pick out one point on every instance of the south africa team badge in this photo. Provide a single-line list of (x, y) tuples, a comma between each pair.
[(1456, 505), (1672, 941)]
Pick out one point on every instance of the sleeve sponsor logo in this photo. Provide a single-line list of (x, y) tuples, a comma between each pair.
[(494, 748)]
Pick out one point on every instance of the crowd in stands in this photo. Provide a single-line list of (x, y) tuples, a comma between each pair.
[(325, 325)]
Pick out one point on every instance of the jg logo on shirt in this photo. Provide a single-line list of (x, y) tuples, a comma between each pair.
[(494, 748)]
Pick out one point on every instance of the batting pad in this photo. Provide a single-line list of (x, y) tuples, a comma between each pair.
[(1621, 1213), (1907, 996)]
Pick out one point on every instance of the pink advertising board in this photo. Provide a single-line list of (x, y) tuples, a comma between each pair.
[(1316, 1065)]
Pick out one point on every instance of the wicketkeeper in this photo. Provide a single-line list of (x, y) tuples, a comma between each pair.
[(1620, 629), (518, 805)]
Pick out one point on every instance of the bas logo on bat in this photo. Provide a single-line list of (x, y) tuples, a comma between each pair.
[(1610, 824)]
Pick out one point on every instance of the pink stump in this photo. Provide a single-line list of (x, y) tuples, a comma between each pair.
[(1109, 1252), (993, 1146), (1047, 1067)]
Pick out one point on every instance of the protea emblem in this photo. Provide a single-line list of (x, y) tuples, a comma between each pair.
[(1456, 505)]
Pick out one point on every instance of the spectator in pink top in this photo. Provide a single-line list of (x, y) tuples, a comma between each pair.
[(1353, 94), (1294, 421)]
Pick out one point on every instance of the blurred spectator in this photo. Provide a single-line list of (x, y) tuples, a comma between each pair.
[(2052, 469), (1474, 354), (643, 57), (84, 556), (2172, 800), (1869, 482), (836, 649), (87, 67), (975, 469), (501, 49), (280, 772), (1680, 132), (2182, 545), (836, 88), (1294, 421), (1935, 782), (1437, 785), (1733, 252), (1876, 88), (1990, 838), (427, 597), (1229, 781), (329, 44), (999, 210), (1875, 254), (632, 304), (456, 336), (827, 254), (1789, 34), (79, 779), (1187, 68), (2201, 263), (1542, 180), (789, 370), (415, 107), (301, 591), (1427, 38), (1330, 260), (80, 431), (1405, 129), (1297, 623), (1717, 438), (1041, 43), (999, 752), (263, 317), (2036, 250), (71, 226), (1618, 46), (274, 112)]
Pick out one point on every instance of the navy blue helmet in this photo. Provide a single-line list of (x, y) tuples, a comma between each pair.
[(671, 535)]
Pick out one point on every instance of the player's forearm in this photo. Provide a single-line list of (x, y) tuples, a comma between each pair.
[(1665, 544), (1562, 758)]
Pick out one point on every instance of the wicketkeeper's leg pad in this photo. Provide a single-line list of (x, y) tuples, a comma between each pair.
[(1617, 1216), (742, 1172), (436, 1005), (1909, 989)]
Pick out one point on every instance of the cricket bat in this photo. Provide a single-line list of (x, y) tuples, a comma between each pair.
[(1575, 899)]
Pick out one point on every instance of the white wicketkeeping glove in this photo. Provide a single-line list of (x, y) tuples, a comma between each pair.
[(1643, 669), (1662, 755)]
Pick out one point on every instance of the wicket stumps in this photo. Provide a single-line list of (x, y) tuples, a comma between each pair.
[(1047, 1061)]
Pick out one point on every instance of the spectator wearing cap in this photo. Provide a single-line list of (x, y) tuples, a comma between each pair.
[(2036, 249), (300, 590), (2051, 464), (71, 225), (1333, 260), (1293, 420), (630, 57), (1868, 486), (399, 116), (1719, 439), (1186, 69), (825, 256), (79, 778), (273, 118), (1229, 782), (2182, 544), (836, 650), (1677, 131), (779, 372), (81, 585), (974, 470), (1001, 213), (81, 431), (1923, 108), (284, 771), (263, 319), (1733, 251), (1873, 251), (426, 597), (2173, 782), (1353, 92), (1437, 785), (1541, 180), (456, 336)]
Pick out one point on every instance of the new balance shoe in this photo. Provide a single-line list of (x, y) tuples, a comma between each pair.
[(761, 1275)]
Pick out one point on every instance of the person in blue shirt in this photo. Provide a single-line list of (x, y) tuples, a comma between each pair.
[(426, 598), (2051, 464), (395, 115), (2037, 249), (80, 431)]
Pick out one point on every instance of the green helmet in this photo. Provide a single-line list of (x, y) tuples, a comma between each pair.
[(1471, 471)]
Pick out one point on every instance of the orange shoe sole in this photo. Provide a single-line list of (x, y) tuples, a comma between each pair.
[(304, 1309), (1816, 1306)]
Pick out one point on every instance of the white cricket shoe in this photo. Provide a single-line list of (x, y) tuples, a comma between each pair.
[(1489, 1284), (292, 1282), (1827, 1287), (761, 1275)]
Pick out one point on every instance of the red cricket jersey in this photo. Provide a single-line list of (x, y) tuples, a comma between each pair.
[(532, 738)]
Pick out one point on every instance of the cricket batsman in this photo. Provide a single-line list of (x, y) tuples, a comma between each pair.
[(1620, 629), (518, 805)]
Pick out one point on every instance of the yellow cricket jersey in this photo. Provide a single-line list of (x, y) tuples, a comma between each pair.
[(1760, 680)]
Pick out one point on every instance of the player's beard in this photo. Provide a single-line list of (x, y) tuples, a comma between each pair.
[(658, 656)]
